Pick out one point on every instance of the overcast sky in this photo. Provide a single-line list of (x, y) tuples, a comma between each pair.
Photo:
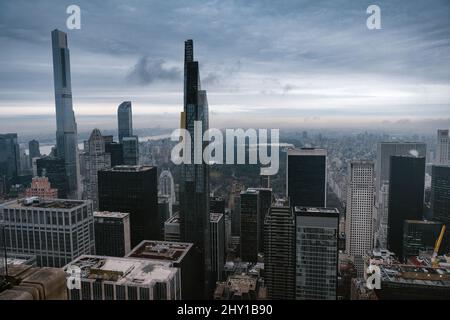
[(264, 63)]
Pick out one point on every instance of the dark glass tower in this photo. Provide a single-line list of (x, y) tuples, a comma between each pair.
[(9, 157), (279, 252), (250, 213), (194, 186), (132, 189), (66, 127), (440, 193), (406, 196), (307, 177), (125, 120)]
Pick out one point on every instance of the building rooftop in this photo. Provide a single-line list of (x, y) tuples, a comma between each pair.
[(161, 250), (129, 168), (315, 211), (122, 271), (307, 152), (108, 214), (409, 274), (36, 202)]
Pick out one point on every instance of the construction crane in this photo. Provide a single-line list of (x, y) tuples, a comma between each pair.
[(434, 261)]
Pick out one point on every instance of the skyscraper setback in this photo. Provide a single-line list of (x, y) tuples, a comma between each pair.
[(66, 127), (194, 186)]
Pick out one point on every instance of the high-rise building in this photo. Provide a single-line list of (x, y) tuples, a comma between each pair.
[(217, 245), (112, 233), (306, 177), (217, 204), (114, 278), (56, 231), (440, 193), (236, 216), (94, 159), (180, 255), (33, 150), (443, 148), (172, 228), (130, 146), (55, 170), (406, 197), (66, 127), (40, 187), (250, 207), (116, 153), (125, 120), (279, 252), (265, 201), (419, 236), (360, 205), (9, 157), (132, 189), (316, 253), (167, 187), (194, 186), (385, 150)]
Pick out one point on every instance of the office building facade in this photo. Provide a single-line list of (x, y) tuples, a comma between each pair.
[(316, 253), (56, 231), (132, 189), (112, 233)]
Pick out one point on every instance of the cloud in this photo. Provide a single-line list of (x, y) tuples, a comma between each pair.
[(147, 71)]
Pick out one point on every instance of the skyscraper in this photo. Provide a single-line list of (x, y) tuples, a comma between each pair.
[(385, 150), (279, 252), (440, 193), (359, 217), (265, 201), (130, 147), (406, 196), (194, 186), (40, 187), (66, 127), (33, 150), (112, 233), (316, 253), (9, 157), (95, 158), (443, 148), (250, 207), (217, 245), (125, 120), (132, 189), (306, 177)]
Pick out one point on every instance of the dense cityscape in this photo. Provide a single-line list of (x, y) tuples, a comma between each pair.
[(106, 214)]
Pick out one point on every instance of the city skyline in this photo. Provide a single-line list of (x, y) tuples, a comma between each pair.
[(296, 62)]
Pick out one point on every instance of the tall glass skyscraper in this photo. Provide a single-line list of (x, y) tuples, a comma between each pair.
[(66, 127), (194, 187), (406, 195), (125, 120)]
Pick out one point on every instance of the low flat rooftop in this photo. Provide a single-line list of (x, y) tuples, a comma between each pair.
[(36, 202), (122, 271), (417, 275), (307, 152), (108, 214), (161, 250)]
